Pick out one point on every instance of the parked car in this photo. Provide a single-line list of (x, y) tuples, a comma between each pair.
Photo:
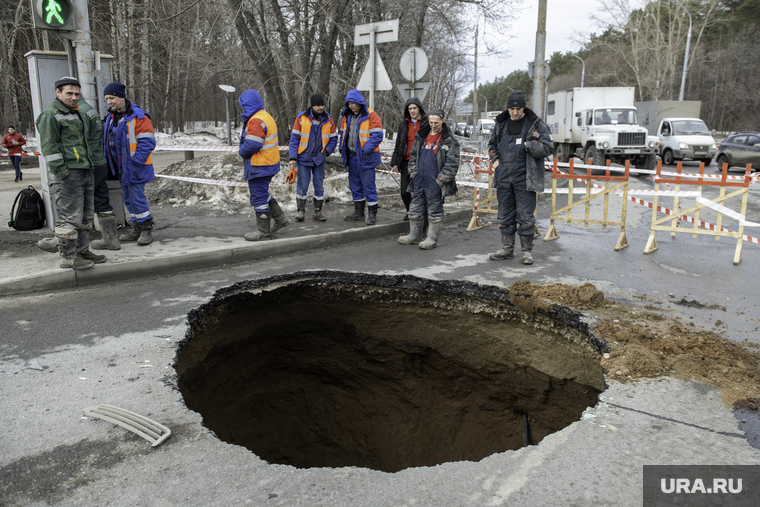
[(459, 131), (739, 150), (468, 131)]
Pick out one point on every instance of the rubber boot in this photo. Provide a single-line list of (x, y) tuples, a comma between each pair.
[(132, 235), (280, 220), (70, 258), (83, 248), (434, 229), (526, 244), (318, 211), (48, 244), (371, 215), (358, 213), (415, 233), (263, 222), (146, 233), (507, 247), (109, 239), (301, 209)]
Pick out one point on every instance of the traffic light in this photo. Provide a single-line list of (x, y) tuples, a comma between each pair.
[(53, 14)]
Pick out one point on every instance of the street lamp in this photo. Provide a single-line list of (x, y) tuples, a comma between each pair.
[(686, 57), (227, 91), (583, 70)]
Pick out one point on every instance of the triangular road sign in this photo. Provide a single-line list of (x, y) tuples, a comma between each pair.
[(382, 80)]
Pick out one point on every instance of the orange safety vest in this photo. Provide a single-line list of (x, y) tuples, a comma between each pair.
[(303, 143), (269, 153), (133, 140), (364, 129)]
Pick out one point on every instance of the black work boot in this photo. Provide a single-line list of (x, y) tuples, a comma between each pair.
[(83, 248), (300, 209), (263, 222), (358, 213), (526, 244), (507, 247), (69, 257), (280, 220), (371, 215), (132, 235), (318, 210), (146, 233)]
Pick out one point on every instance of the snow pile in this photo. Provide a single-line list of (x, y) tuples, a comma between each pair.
[(233, 200), (205, 138)]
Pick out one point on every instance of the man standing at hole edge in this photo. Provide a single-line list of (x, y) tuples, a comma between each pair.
[(520, 141), (70, 144), (433, 167), (128, 145), (261, 156), (360, 136), (414, 119), (313, 139)]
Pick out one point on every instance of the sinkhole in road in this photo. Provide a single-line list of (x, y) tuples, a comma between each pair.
[(334, 369)]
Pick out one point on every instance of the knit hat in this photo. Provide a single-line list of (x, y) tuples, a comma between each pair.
[(516, 99), (116, 89), (317, 100), (67, 80), (438, 112)]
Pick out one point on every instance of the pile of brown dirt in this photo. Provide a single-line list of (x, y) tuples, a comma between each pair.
[(584, 297), (650, 343)]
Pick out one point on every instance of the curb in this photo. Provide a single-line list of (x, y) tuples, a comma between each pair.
[(103, 273)]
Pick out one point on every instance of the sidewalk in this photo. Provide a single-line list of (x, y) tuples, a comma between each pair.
[(184, 239)]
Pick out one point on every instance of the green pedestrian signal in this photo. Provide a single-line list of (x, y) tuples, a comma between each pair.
[(53, 14)]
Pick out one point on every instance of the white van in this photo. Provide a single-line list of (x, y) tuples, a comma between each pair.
[(484, 127)]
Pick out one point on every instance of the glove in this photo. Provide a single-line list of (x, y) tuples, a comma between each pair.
[(291, 177), (441, 183)]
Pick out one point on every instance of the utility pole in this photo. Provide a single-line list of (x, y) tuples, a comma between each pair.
[(475, 91), (539, 79)]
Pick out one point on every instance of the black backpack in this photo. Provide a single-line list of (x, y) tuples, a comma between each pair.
[(30, 213)]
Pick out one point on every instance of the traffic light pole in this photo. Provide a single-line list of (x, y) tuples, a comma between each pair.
[(83, 45)]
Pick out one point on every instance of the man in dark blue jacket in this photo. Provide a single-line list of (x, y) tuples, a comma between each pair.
[(361, 133), (519, 143), (312, 140)]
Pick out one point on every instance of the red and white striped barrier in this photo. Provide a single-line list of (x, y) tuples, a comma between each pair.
[(24, 154)]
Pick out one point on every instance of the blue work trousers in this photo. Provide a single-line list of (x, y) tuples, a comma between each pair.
[(303, 178), (259, 188), (361, 181), (427, 195), (135, 201)]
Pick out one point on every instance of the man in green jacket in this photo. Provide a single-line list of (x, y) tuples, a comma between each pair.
[(70, 142)]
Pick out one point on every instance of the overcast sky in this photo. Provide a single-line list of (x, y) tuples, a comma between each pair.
[(565, 19)]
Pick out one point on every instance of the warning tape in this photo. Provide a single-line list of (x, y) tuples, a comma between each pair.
[(24, 154), (219, 183)]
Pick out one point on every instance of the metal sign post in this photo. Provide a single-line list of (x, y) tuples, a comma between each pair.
[(375, 77), (228, 90)]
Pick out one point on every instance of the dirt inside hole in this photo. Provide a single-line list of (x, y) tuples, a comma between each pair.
[(332, 370), (647, 342)]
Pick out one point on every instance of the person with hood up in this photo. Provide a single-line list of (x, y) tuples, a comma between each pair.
[(312, 140), (361, 133), (128, 144), (261, 155), (433, 167), (520, 141), (414, 119)]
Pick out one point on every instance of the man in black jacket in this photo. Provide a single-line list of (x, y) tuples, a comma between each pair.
[(414, 119), (519, 143)]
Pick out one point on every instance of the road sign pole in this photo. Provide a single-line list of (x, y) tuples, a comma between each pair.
[(412, 70), (372, 67)]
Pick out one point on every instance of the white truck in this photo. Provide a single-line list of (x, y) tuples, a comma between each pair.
[(683, 136), (599, 123)]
